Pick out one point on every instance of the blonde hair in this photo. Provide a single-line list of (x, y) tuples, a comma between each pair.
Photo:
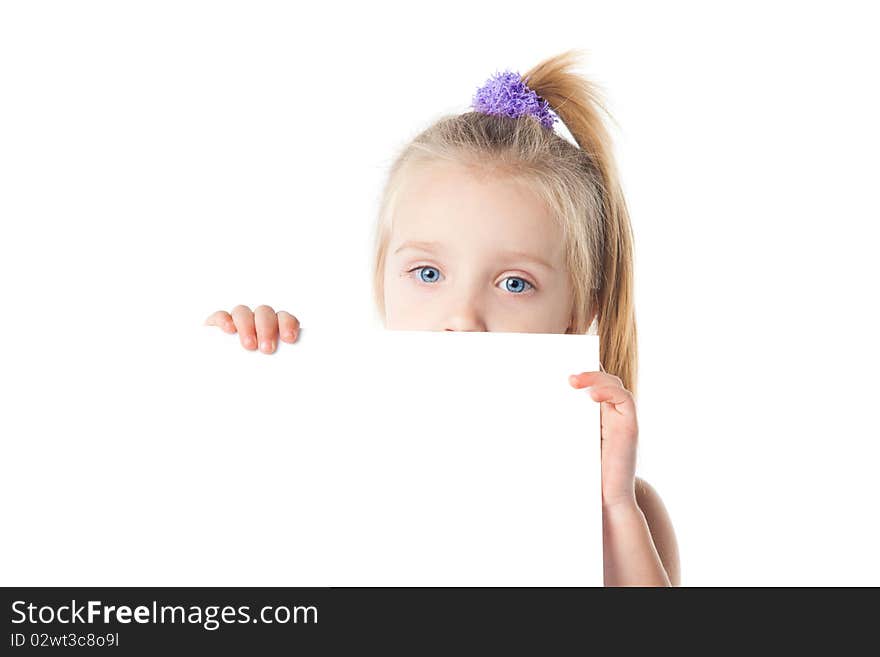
[(579, 185)]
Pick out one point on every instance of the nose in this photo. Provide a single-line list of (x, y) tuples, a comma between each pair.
[(465, 315)]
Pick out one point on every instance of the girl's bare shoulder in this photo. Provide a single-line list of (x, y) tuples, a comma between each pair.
[(661, 528)]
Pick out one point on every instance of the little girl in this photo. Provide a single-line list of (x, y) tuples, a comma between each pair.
[(491, 221)]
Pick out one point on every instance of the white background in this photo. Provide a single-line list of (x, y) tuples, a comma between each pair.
[(162, 160)]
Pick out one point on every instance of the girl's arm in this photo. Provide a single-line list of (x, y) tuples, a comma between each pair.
[(639, 542), (637, 535)]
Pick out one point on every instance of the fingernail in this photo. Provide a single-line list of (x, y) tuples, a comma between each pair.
[(267, 346), (288, 336), (249, 342)]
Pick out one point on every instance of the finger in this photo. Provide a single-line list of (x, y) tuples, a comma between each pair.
[(222, 319), (586, 379), (620, 398), (244, 322), (288, 325), (267, 328)]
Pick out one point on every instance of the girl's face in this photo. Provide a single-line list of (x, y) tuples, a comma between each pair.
[(474, 253)]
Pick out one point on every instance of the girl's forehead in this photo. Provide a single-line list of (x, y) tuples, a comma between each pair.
[(453, 205)]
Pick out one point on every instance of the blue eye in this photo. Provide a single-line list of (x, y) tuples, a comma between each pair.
[(516, 285), (428, 274)]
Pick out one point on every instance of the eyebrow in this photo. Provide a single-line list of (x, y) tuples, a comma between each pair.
[(435, 246), (522, 255), (423, 246)]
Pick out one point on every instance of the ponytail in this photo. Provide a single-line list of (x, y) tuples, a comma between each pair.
[(577, 102)]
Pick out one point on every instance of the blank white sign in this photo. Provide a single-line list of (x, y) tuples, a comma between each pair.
[(348, 458)]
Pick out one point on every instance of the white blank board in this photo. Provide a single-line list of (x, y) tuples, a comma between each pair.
[(349, 458)]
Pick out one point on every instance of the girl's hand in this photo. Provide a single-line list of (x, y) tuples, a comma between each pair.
[(261, 326), (620, 432)]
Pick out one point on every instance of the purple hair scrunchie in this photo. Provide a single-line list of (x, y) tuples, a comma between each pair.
[(506, 94)]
